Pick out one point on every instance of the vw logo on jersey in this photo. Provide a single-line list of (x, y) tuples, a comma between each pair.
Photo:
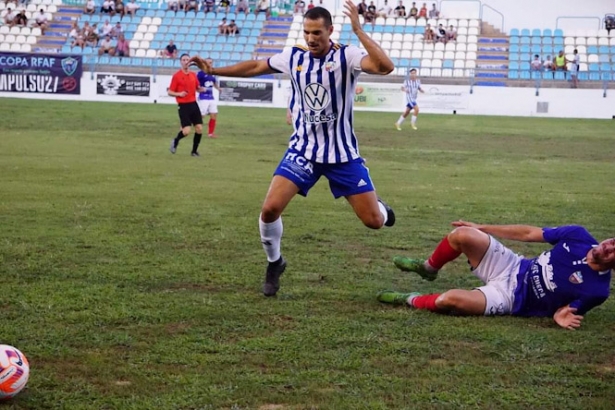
[(316, 96)]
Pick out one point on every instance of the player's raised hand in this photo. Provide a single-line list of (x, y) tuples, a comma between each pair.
[(353, 13), (566, 318), (203, 65)]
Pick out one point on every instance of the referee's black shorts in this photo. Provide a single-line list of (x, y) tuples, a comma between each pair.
[(189, 114)]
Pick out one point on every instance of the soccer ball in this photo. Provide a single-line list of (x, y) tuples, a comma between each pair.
[(14, 371)]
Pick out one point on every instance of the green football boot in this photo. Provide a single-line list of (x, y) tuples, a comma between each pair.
[(415, 265)]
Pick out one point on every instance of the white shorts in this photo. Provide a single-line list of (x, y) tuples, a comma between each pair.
[(208, 107), (498, 270)]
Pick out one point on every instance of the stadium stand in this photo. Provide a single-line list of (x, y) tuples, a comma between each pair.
[(481, 54)]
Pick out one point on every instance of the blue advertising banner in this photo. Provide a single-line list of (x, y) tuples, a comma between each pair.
[(40, 73)]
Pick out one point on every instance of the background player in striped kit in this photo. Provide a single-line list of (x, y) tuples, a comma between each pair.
[(324, 77), (207, 101), (411, 87)]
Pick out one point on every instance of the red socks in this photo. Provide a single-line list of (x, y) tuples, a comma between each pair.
[(427, 302), (443, 254), (212, 126)]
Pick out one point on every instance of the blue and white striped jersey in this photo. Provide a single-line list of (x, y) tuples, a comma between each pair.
[(323, 91), (412, 90)]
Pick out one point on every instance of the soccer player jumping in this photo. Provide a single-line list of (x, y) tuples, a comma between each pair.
[(564, 282), (411, 87), (324, 77)]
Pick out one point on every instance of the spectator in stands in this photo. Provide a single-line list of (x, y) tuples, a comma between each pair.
[(414, 12), (40, 21), (222, 26), (362, 8), (423, 11), (20, 19), (90, 7), (232, 29), (311, 5), (441, 34), (224, 6), (108, 7), (9, 17), (192, 5), (122, 48), (91, 35), (400, 10), (170, 51), (574, 68), (536, 64), (609, 23), (106, 46), (106, 29), (208, 6), (385, 11), (434, 13), (77, 35), (262, 7), (173, 5), (120, 8), (548, 64), (299, 7), (117, 30), (182, 4), (243, 7), (559, 62), (370, 14), (451, 34), (132, 7), (429, 34)]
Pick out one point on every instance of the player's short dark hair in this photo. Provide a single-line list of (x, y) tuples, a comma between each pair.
[(319, 13), (184, 54), (413, 70)]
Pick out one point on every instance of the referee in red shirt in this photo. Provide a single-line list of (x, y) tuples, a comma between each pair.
[(184, 86)]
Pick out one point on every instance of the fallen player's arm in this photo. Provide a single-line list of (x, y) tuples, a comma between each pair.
[(567, 318)]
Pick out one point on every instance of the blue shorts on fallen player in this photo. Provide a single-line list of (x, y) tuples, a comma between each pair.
[(345, 179), (411, 105)]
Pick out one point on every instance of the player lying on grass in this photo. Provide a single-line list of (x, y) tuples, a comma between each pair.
[(564, 282)]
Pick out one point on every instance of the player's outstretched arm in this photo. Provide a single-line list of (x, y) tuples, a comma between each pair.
[(376, 61), (522, 233), (249, 68), (566, 318)]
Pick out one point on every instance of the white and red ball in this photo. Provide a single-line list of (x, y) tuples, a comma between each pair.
[(14, 371)]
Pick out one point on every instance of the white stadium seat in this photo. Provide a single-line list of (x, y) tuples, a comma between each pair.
[(26, 48), (36, 31), (150, 53), (146, 21), (428, 54), (148, 36), (140, 53), (15, 47), (20, 39), (137, 36), (4, 46)]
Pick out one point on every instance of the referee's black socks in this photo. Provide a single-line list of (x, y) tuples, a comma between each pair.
[(196, 142), (180, 135)]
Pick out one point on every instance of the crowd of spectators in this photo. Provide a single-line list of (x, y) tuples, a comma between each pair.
[(14, 18), (108, 38), (223, 6)]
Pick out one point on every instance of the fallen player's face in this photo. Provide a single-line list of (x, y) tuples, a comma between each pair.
[(604, 253), (316, 35)]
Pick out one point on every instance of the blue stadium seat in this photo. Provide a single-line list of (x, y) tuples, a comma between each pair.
[(547, 75), (191, 38), (404, 62), (525, 32), (247, 24), (603, 58), (399, 29), (216, 47), (558, 33), (160, 13), (536, 75), (227, 48), (249, 48), (525, 49), (512, 57), (150, 13), (253, 40), (547, 33), (536, 32), (514, 40), (547, 49), (524, 75), (240, 17), (250, 17), (103, 60), (88, 50), (416, 63), (583, 75), (238, 48), (594, 67), (592, 49), (536, 49), (514, 32), (558, 41), (605, 67), (525, 66), (448, 64), (525, 40), (260, 17), (514, 48), (603, 50), (536, 40), (168, 63), (395, 61), (66, 49), (512, 65), (156, 45), (613, 50), (560, 75), (513, 75), (215, 55), (606, 76)]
